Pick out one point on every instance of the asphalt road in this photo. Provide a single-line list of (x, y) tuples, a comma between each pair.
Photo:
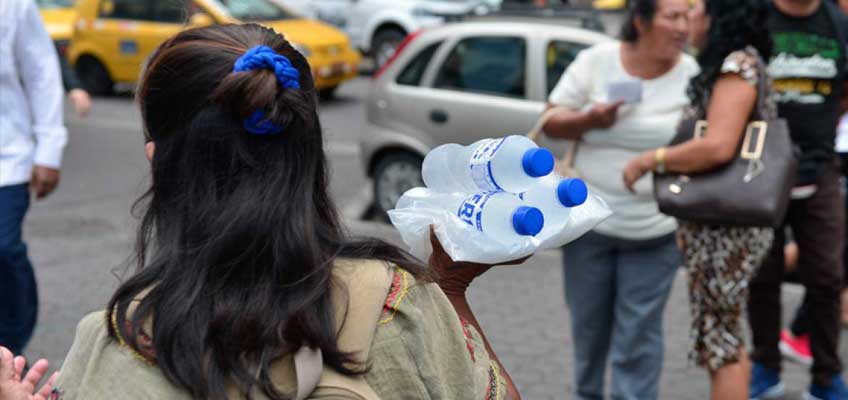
[(80, 241)]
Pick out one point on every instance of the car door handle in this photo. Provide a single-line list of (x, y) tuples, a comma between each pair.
[(439, 116)]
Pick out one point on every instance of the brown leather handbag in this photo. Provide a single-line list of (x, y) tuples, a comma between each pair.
[(751, 190)]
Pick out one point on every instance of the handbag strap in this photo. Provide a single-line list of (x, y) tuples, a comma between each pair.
[(762, 78), (571, 153), (540, 123)]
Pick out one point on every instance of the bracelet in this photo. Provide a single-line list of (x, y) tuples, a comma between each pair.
[(659, 160)]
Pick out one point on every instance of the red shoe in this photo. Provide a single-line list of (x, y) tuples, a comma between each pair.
[(796, 349)]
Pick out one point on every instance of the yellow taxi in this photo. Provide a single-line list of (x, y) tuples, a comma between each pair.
[(58, 16), (112, 38), (609, 4)]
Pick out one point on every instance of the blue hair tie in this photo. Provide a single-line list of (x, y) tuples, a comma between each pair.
[(258, 125), (264, 57)]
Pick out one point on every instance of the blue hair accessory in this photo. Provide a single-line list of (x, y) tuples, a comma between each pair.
[(258, 125), (264, 57)]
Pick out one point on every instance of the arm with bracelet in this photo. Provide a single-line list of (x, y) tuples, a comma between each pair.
[(732, 101)]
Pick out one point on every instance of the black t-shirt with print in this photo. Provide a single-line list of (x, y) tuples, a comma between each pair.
[(808, 68)]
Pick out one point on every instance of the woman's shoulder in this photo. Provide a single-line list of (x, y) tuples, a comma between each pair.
[(689, 65), (744, 62), (423, 349), (364, 271), (603, 50)]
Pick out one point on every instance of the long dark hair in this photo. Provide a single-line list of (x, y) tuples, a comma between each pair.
[(734, 25), (645, 10), (238, 234)]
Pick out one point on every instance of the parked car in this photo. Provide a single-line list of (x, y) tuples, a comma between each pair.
[(377, 27), (457, 84), (113, 37), (58, 17), (610, 4)]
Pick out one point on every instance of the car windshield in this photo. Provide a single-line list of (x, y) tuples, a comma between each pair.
[(55, 3), (255, 10)]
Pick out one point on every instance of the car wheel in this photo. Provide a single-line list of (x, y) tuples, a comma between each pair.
[(393, 176), (328, 93), (385, 42), (94, 77)]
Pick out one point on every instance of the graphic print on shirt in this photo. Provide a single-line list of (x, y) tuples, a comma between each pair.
[(804, 67)]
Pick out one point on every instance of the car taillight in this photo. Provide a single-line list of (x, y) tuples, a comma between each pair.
[(406, 41)]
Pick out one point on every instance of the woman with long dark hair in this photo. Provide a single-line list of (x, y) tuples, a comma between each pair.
[(247, 285), (720, 260)]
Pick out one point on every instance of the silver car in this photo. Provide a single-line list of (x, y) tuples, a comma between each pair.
[(458, 84)]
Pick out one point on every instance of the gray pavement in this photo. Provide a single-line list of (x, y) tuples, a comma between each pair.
[(80, 240)]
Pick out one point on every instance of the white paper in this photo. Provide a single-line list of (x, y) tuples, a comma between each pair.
[(629, 91)]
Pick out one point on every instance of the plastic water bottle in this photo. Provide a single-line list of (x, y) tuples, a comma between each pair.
[(509, 164), (500, 215), (555, 196)]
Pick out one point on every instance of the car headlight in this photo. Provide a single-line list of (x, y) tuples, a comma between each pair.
[(301, 49)]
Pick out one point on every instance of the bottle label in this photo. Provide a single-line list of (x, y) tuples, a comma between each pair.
[(471, 210), (481, 164)]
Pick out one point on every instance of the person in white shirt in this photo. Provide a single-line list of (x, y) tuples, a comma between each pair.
[(618, 277), (32, 137)]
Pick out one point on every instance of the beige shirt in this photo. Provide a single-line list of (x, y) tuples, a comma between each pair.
[(413, 340)]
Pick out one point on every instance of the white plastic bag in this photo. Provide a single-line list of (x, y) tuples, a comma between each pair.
[(462, 242)]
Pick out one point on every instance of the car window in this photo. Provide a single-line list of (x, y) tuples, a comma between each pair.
[(414, 70), (55, 3), (256, 10), (125, 9), (169, 11), (491, 64), (559, 55)]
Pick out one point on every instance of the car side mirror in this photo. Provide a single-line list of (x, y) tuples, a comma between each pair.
[(201, 19)]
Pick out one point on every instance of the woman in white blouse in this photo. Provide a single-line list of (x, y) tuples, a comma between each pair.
[(618, 277)]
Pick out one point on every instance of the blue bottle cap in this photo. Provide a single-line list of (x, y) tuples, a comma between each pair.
[(528, 221), (538, 162), (572, 192)]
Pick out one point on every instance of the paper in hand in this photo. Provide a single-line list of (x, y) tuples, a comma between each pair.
[(629, 91)]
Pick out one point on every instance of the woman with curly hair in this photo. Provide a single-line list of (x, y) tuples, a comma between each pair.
[(720, 260)]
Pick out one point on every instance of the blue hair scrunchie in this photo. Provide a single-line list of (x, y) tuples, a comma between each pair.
[(258, 125), (264, 57)]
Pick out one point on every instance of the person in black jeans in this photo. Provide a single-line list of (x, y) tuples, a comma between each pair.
[(794, 342), (809, 69)]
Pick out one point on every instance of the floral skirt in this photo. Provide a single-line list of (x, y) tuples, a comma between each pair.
[(720, 262)]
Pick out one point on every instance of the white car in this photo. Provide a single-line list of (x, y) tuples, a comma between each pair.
[(377, 27), (458, 84)]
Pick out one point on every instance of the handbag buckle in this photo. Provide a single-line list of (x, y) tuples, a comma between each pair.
[(677, 187), (754, 134)]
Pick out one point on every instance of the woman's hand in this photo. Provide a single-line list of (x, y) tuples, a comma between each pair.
[(603, 116), (637, 168), (455, 277), (12, 387)]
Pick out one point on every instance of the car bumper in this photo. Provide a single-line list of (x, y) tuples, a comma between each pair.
[(331, 71)]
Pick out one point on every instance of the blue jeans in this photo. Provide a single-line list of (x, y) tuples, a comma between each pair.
[(616, 291), (18, 293)]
